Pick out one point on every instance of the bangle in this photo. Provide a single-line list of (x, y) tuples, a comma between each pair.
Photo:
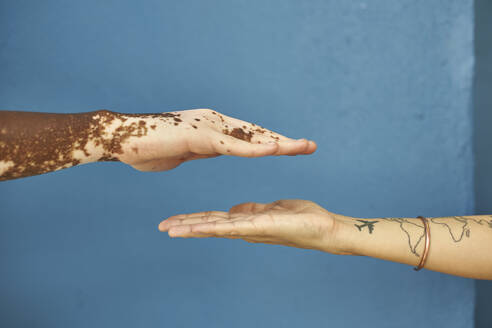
[(427, 244)]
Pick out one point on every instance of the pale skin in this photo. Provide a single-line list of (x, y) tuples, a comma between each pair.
[(460, 246), (35, 143)]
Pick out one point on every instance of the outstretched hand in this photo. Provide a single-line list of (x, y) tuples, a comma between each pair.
[(296, 223), (34, 143), (173, 138)]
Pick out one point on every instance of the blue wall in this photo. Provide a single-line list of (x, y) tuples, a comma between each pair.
[(483, 140), (382, 86)]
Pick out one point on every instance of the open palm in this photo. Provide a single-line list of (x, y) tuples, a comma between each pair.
[(296, 223)]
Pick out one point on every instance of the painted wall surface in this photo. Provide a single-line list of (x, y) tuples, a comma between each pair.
[(383, 86), (483, 140)]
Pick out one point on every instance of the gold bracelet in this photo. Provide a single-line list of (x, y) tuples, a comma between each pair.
[(427, 243)]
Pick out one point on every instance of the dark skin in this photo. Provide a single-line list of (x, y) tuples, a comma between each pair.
[(35, 143), (39, 143)]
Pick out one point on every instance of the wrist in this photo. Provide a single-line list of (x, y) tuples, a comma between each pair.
[(339, 239), (129, 138), (105, 141), (346, 236)]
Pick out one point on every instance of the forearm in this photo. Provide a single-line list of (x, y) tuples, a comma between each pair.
[(460, 246), (34, 143)]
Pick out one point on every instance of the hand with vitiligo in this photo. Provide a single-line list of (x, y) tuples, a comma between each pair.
[(35, 143)]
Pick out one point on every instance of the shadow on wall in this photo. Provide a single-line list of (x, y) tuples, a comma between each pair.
[(483, 140)]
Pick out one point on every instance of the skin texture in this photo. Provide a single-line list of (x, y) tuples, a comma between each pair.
[(459, 245), (34, 143)]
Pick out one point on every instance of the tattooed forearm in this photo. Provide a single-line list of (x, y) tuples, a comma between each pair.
[(35, 143), (414, 231), (457, 228)]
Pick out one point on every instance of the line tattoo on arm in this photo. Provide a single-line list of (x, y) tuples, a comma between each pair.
[(458, 227)]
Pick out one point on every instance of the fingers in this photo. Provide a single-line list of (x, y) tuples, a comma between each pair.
[(237, 212), (251, 131), (222, 225), (230, 129), (192, 218), (239, 127), (219, 228), (208, 224), (227, 145)]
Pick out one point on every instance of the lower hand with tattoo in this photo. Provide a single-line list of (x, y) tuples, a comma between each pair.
[(35, 143), (459, 245)]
